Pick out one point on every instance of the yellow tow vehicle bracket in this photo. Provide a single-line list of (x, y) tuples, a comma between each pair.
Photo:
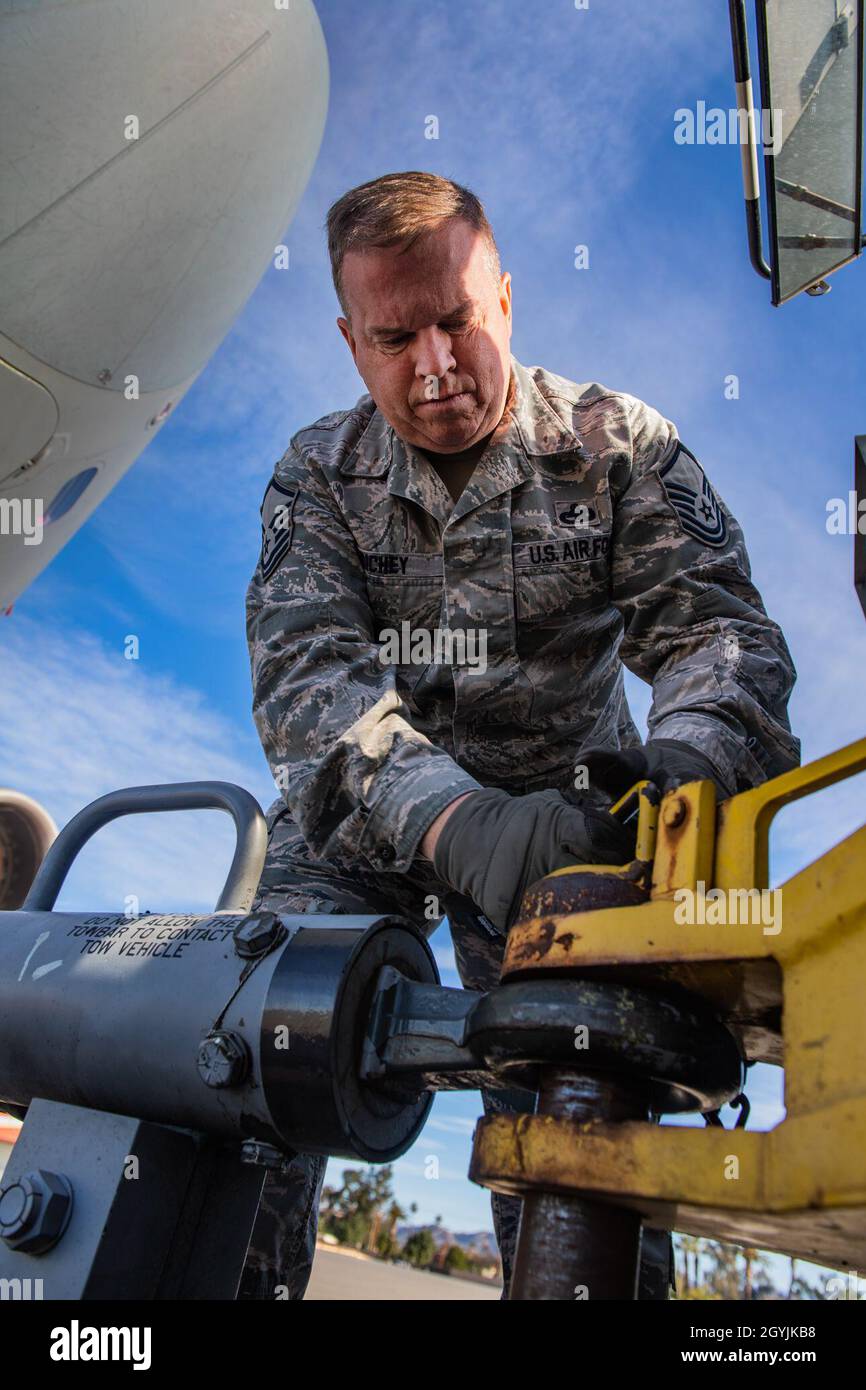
[(786, 970)]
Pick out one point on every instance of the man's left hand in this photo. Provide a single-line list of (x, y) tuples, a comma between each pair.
[(665, 762)]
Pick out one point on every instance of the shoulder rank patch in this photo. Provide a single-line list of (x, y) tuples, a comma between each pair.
[(692, 498), (277, 525)]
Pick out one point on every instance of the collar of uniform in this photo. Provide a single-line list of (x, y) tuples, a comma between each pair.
[(381, 449), (530, 431), (371, 456), (533, 424)]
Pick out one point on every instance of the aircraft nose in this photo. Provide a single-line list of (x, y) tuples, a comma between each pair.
[(149, 167)]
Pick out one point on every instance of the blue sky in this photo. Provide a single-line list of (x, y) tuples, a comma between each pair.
[(564, 126)]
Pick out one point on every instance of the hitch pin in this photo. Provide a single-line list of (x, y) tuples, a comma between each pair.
[(639, 806)]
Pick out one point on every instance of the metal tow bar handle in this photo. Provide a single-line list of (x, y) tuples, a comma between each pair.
[(251, 843)]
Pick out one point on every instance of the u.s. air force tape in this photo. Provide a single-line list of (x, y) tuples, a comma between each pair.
[(277, 524), (692, 498)]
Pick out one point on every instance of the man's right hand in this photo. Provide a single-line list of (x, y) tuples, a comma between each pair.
[(492, 846)]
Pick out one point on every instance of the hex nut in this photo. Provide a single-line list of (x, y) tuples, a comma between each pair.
[(258, 934), (223, 1060), (35, 1210)]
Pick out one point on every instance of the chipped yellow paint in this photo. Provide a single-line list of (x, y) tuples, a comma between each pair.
[(810, 963)]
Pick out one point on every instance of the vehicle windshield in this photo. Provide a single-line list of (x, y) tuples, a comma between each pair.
[(811, 55)]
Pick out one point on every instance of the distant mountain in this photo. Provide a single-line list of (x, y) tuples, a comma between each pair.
[(481, 1244)]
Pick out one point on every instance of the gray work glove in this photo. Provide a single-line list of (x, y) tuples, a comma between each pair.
[(494, 846), (665, 761)]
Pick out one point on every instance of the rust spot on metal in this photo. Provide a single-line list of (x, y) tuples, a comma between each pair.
[(540, 936), (564, 894), (676, 820), (675, 813), (525, 946)]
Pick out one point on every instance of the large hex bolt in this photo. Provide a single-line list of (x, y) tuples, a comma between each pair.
[(258, 934), (35, 1211), (223, 1059)]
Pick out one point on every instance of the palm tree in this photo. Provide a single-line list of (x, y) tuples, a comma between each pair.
[(793, 1279)]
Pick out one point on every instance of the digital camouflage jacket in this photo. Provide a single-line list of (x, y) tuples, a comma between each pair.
[(588, 537)]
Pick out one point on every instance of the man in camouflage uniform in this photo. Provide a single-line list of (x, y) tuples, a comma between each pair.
[(559, 531)]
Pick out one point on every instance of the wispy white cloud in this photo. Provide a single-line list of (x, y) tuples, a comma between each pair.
[(405, 1168), (452, 1124), (78, 720)]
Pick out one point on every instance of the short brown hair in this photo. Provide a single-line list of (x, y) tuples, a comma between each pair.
[(399, 208)]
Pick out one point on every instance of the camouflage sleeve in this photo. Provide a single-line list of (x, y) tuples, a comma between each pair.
[(695, 625), (356, 776)]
